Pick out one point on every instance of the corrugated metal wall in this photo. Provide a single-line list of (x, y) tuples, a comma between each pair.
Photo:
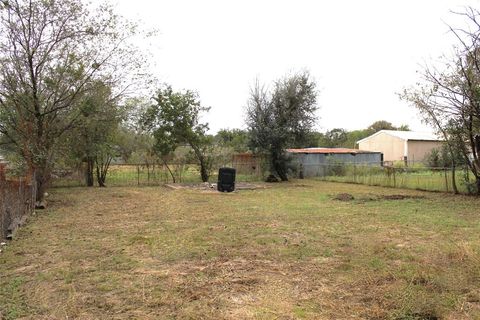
[(315, 164)]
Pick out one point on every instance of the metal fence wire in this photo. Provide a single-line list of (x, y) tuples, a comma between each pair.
[(416, 176), (125, 175), (17, 201)]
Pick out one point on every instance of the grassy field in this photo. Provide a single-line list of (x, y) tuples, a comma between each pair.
[(138, 175), (288, 252), (411, 178)]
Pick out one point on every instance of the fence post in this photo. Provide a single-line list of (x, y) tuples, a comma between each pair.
[(354, 173), (394, 178), (138, 175), (148, 174), (34, 190), (446, 179)]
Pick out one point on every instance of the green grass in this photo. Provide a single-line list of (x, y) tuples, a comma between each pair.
[(133, 175), (412, 178), (287, 252)]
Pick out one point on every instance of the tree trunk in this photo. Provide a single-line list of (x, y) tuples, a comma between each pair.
[(89, 172), (454, 182), (478, 185), (203, 169), (100, 178), (169, 170), (42, 178), (102, 170), (279, 166), (203, 163)]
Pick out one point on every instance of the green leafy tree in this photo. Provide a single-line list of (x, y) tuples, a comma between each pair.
[(174, 120), (314, 139), (380, 125), (235, 139), (449, 99), (334, 138), (49, 52), (282, 118), (404, 127), (354, 136), (135, 144), (94, 138)]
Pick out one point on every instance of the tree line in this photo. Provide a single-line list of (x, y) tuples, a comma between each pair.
[(74, 92)]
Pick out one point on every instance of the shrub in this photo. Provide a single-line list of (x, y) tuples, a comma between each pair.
[(335, 167)]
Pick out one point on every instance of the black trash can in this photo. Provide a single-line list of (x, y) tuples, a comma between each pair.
[(226, 180)]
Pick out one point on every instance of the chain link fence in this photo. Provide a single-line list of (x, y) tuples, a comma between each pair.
[(17, 201), (415, 176), (124, 175)]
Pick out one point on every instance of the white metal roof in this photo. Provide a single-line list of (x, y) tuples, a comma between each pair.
[(406, 135), (329, 150)]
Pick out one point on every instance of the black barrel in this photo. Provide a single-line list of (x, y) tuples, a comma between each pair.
[(226, 180)]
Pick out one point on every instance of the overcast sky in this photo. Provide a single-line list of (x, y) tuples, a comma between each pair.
[(361, 53)]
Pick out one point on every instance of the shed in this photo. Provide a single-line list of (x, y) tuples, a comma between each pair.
[(247, 163), (411, 146), (314, 161)]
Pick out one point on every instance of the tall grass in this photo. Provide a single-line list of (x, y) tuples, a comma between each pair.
[(418, 177), (141, 175)]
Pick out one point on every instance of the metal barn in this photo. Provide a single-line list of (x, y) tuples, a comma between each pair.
[(315, 162), (405, 146)]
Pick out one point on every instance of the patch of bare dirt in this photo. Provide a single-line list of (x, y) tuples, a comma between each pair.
[(206, 186), (400, 197), (349, 197), (300, 185), (344, 197)]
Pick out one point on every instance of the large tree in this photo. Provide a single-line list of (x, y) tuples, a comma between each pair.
[(281, 118), (49, 52), (449, 98), (380, 125), (94, 139), (334, 138), (174, 120), (236, 139)]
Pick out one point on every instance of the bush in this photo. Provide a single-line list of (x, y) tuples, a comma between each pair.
[(433, 159), (335, 167)]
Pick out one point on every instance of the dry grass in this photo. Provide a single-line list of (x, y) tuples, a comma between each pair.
[(289, 252)]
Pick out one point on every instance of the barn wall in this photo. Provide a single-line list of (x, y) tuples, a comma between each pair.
[(418, 150), (393, 148)]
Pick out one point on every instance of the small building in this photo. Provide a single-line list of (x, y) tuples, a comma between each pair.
[(247, 163), (408, 146), (314, 162)]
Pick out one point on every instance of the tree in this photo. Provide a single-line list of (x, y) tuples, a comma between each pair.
[(449, 99), (281, 118), (93, 140), (354, 136), (404, 127), (133, 141), (49, 52), (335, 138), (380, 125), (236, 139), (174, 120), (385, 125)]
